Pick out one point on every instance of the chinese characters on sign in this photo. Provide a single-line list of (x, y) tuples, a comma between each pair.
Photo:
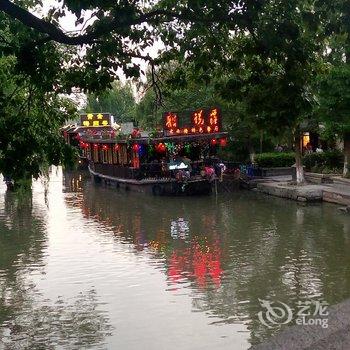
[(171, 121), (202, 121), (95, 119)]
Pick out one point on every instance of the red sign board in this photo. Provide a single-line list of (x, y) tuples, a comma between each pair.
[(202, 121)]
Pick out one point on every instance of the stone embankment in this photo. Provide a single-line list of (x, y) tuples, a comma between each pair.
[(314, 337), (331, 189)]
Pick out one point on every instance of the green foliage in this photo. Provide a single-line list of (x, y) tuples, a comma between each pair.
[(119, 101), (274, 160), (334, 105), (324, 160), (257, 59), (30, 120)]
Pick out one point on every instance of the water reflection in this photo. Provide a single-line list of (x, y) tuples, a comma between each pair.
[(27, 319), (83, 266), (228, 253)]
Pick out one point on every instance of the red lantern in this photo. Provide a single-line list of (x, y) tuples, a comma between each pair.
[(213, 142), (136, 133), (161, 148), (135, 147), (95, 145), (223, 142), (105, 147), (116, 147)]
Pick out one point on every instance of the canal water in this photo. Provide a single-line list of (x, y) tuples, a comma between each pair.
[(83, 266)]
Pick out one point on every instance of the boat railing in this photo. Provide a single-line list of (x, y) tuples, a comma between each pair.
[(145, 171)]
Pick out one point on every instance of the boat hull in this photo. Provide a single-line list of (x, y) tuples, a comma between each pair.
[(193, 187)]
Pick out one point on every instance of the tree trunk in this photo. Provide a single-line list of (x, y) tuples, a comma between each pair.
[(298, 161), (346, 171), (251, 152)]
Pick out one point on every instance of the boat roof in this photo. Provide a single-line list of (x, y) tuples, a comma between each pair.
[(147, 140)]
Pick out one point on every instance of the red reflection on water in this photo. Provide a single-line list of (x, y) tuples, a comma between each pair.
[(197, 261)]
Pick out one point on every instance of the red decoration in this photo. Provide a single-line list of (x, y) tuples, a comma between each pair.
[(223, 142), (135, 147), (213, 142), (160, 147), (116, 147), (136, 133), (105, 147), (95, 145)]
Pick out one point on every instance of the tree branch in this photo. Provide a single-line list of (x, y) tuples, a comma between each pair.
[(56, 34), (42, 26)]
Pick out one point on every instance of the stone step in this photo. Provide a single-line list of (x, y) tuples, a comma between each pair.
[(336, 196)]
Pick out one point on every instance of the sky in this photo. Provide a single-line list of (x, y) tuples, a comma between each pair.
[(67, 24)]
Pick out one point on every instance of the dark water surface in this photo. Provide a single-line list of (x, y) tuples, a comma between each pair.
[(83, 266)]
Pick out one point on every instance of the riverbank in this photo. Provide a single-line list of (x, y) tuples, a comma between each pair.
[(313, 337), (336, 190)]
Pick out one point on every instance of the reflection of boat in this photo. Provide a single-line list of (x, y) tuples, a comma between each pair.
[(170, 162), (187, 242)]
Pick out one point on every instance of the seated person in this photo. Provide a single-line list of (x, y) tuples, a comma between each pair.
[(187, 161), (208, 172)]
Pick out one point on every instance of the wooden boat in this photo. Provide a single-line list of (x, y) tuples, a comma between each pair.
[(168, 162)]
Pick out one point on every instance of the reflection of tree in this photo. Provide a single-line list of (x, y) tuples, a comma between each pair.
[(27, 321), (236, 250), (71, 325)]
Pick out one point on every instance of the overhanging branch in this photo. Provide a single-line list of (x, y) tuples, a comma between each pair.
[(56, 34)]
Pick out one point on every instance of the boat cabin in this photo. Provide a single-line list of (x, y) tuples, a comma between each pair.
[(157, 154), (182, 151)]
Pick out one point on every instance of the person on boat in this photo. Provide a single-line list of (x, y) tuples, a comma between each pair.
[(164, 167), (187, 161), (208, 172)]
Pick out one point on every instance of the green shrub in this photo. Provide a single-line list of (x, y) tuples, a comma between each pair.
[(275, 160), (325, 160)]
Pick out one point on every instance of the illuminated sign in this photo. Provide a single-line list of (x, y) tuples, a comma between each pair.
[(201, 121), (96, 119)]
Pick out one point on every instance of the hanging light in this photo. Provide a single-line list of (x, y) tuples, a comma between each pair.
[(95, 145), (135, 147), (213, 142), (223, 142), (105, 147), (160, 147)]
